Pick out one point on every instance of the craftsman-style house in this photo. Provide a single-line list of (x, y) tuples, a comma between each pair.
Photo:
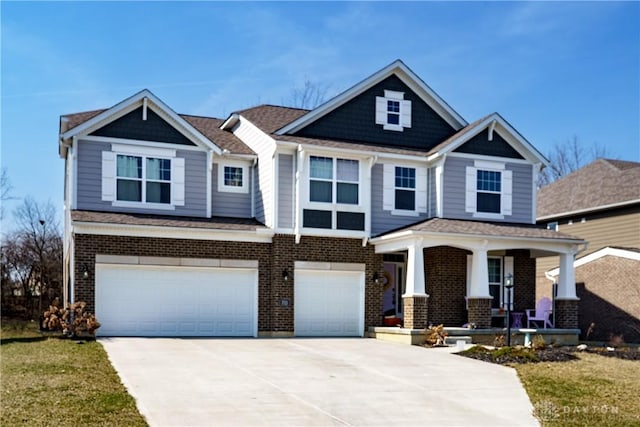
[(277, 221)]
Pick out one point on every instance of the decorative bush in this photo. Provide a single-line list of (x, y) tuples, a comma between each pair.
[(435, 335), (71, 320)]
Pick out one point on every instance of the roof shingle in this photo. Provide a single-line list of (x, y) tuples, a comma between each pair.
[(215, 223), (601, 183)]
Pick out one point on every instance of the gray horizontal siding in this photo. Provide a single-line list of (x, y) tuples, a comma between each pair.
[(381, 220), (237, 205), (454, 190), (285, 191), (433, 192), (89, 187)]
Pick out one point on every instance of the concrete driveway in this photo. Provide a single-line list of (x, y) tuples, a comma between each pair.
[(313, 382)]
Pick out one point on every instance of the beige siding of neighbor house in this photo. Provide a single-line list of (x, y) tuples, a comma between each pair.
[(621, 229)]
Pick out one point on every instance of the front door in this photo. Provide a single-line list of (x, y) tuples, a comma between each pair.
[(394, 286)]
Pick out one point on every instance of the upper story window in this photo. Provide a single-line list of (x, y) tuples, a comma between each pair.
[(405, 190), (233, 177), (393, 112), (488, 190), (143, 179), (333, 180), (488, 186), (140, 176)]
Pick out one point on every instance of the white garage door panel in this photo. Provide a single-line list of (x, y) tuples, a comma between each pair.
[(328, 303), (175, 301)]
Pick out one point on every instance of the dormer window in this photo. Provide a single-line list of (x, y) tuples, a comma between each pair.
[(393, 112)]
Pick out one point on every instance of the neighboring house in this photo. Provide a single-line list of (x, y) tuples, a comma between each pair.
[(278, 221), (601, 204)]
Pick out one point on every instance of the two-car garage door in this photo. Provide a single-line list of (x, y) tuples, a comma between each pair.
[(136, 300)]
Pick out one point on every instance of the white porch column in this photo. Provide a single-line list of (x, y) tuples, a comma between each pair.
[(415, 271), (567, 278), (479, 283)]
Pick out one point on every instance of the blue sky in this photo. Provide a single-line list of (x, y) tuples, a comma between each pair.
[(553, 70)]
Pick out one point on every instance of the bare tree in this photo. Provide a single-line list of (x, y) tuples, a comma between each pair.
[(5, 189), (309, 96), (569, 157), (32, 254)]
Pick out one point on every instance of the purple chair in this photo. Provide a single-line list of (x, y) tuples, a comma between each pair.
[(542, 314)]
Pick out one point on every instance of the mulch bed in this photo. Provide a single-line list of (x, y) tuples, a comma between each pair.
[(511, 355)]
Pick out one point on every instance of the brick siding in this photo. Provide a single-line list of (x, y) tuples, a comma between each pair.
[(272, 260), (446, 281), (566, 314), (415, 312)]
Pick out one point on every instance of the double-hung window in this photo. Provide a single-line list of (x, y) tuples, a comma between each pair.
[(488, 190), (143, 179), (393, 112), (334, 195), (333, 180), (405, 188)]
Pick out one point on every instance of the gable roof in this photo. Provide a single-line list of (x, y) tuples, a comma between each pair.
[(601, 184), (270, 118), (144, 97), (515, 139), (405, 74), (209, 127), (622, 253)]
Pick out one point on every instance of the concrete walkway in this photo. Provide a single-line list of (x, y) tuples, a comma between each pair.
[(314, 382)]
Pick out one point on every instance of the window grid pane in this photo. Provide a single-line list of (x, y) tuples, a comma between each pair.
[(159, 169), (321, 167), (347, 170), (321, 191), (129, 167), (488, 181), (232, 176), (495, 275), (393, 106), (405, 177), (347, 193)]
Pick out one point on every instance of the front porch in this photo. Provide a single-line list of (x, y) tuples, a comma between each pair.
[(457, 274)]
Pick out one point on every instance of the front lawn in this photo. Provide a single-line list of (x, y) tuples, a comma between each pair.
[(52, 381), (592, 391)]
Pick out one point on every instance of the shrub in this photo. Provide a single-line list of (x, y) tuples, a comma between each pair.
[(435, 335), (71, 321)]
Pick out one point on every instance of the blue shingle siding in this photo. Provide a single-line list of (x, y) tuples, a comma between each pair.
[(285, 191), (89, 186), (236, 205), (356, 121), (455, 190), (480, 144), (131, 126), (381, 220)]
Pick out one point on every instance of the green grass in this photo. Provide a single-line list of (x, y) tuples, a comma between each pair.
[(591, 391), (52, 381)]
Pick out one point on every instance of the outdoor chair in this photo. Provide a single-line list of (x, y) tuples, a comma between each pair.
[(541, 313)]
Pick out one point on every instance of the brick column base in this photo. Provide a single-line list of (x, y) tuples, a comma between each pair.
[(415, 311), (480, 312), (566, 314)]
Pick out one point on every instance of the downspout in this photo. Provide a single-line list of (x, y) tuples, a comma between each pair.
[(253, 187), (299, 170)]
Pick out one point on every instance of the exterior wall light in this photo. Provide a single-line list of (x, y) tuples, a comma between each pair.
[(285, 275)]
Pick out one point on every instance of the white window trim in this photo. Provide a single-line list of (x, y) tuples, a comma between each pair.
[(506, 183), (110, 175), (333, 207), (389, 190), (229, 188), (143, 181), (381, 110)]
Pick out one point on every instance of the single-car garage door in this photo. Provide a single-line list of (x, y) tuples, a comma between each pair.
[(328, 303), (176, 301)]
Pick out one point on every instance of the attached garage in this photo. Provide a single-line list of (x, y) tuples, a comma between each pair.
[(155, 301), (329, 299)]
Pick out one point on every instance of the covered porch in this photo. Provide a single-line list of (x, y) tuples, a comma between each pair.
[(456, 272)]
